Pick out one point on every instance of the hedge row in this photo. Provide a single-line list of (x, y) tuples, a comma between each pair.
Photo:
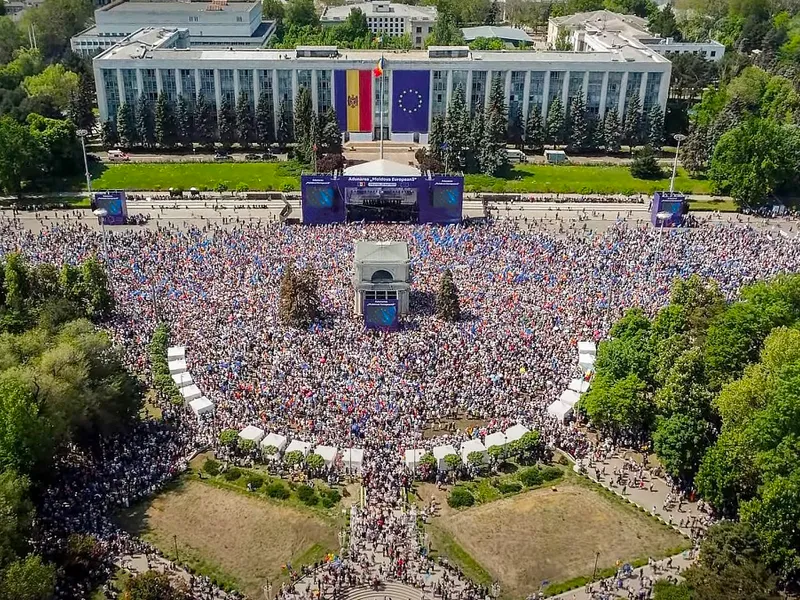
[(162, 381)]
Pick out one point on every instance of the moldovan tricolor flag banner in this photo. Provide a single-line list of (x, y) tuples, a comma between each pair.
[(354, 100)]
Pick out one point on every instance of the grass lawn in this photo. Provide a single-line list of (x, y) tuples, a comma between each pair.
[(711, 205), (575, 179), (580, 179), (546, 535), (238, 541)]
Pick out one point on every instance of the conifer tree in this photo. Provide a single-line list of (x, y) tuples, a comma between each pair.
[(165, 123), (298, 297), (245, 125), (436, 138), (534, 130), (303, 113), (516, 131), (456, 132), (494, 158), (126, 125), (655, 127), (448, 307), (145, 122), (108, 134), (287, 296), (80, 104), (204, 123), (632, 124), (265, 120), (578, 127), (284, 125), (555, 123), (329, 133), (612, 131), (185, 119), (476, 139), (226, 123)]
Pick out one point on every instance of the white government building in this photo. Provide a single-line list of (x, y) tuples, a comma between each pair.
[(220, 23), (418, 83), (388, 18)]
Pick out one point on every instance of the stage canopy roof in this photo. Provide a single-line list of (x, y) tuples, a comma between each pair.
[(383, 167), (275, 439), (587, 348), (558, 409), (251, 432), (579, 385), (176, 353), (190, 392), (300, 445), (570, 397), (352, 458), (471, 446), (413, 456), (202, 406), (182, 379), (515, 432), (328, 453), (497, 438), (177, 366)]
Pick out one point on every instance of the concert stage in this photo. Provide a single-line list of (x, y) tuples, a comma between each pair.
[(382, 191)]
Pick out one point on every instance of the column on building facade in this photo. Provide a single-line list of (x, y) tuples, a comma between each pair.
[(663, 90), (178, 84), (449, 94), (295, 89), (275, 101), (546, 96), (159, 83), (139, 83), (585, 87), (430, 99), (121, 86), (507, 88), (389, 84), (256, 87), (565, 91), (526, 93), (217, 89), (314, 102), (603, 95), (197, 89), (102, 101), (236, 86), (623, 91), (643, 89), (468, 91), (487, 92)]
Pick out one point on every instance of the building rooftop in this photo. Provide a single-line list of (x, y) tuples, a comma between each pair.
[(380, 9), (174, 6), (382, 252), (489, 31), (604, 20)]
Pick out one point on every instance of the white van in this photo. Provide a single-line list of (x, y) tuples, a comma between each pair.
[(516, 156), (117, 155)]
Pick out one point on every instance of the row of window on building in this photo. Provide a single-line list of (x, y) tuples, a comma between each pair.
[(589, 84)]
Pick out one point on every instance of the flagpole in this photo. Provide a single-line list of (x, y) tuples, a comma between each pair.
[(381, 125)]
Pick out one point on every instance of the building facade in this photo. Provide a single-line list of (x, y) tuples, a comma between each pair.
[(219, 23), (416, 86), (604, 30), (385, 18)]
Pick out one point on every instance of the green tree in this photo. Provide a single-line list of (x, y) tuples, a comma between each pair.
[(185, 121), (483, 43), (55, 22), (226, 123), (755, 161), (476, 140), (680, 441), (285, 133), (245, 122), (152, 585), (534, 131), (264, 121), (11, 39), (108, 134), (145, 122), (228, 437), (16, 516), (447, 304), (28, 579), (81, 103), (300, 13), (96, 291), (453, 461), (620, 407), (445, 32), (295, 457), (329, 133), (663, 23), (632, 124), (655, 127), (494, 158), (303, 117), (126, 125), (436, 138), (56, 83), (579, 131), (56, 144), (556, 123), (696, 150), (456, 132), (612, 131), (166, 125), (315, 462), (516, 130), (18, 157), (645, 165), (203, 123)]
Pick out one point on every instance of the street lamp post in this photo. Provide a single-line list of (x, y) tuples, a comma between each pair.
[(661, 218), (101, 214), (679, 137), (82, 133)]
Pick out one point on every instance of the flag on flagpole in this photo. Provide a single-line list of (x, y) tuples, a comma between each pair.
[(378, 70)]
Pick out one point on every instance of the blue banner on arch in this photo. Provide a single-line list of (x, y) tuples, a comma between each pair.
[(410, 101)]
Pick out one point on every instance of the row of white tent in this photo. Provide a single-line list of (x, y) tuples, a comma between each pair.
[(561, 408), (413, 456), (352, 458), (176, 361)]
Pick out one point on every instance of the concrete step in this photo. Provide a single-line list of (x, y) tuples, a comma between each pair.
[(390, 589)]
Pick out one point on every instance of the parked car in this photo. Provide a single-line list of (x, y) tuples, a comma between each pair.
[(252, 156), (516, 156), (222, 156), (117, 155)]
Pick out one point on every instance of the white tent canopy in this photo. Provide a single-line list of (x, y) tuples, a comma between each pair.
[(515, 432), (251, 432), (275, 439), (177, 366), (586, 362), (190, 392), (471, 446), (383, 167), (202, 405), (439, 452), (587, 348), (497, 438), (559, 410), (352, 459), (569, 397), (579, 385), (300, 445), (413, 457), (176, 353), (182, 379), (328, 453)]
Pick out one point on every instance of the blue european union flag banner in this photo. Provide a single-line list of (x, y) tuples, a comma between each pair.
[(410, 101)]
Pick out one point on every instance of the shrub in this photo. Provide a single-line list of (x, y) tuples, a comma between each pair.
[(333, 495), (645, 165), (228, 437), (508, 487), (460, 497), (242, 187), (531, 477), (255, 481), (327, 502), (551, 473), (211, 467), (277, 490), (232, 474), (307, 495)]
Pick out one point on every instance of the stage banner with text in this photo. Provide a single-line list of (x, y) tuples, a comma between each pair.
[(410, 101), (444, 202), (382, 314), (114, 203)]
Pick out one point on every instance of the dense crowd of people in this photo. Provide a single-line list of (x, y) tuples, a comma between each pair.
[(527, 297)]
